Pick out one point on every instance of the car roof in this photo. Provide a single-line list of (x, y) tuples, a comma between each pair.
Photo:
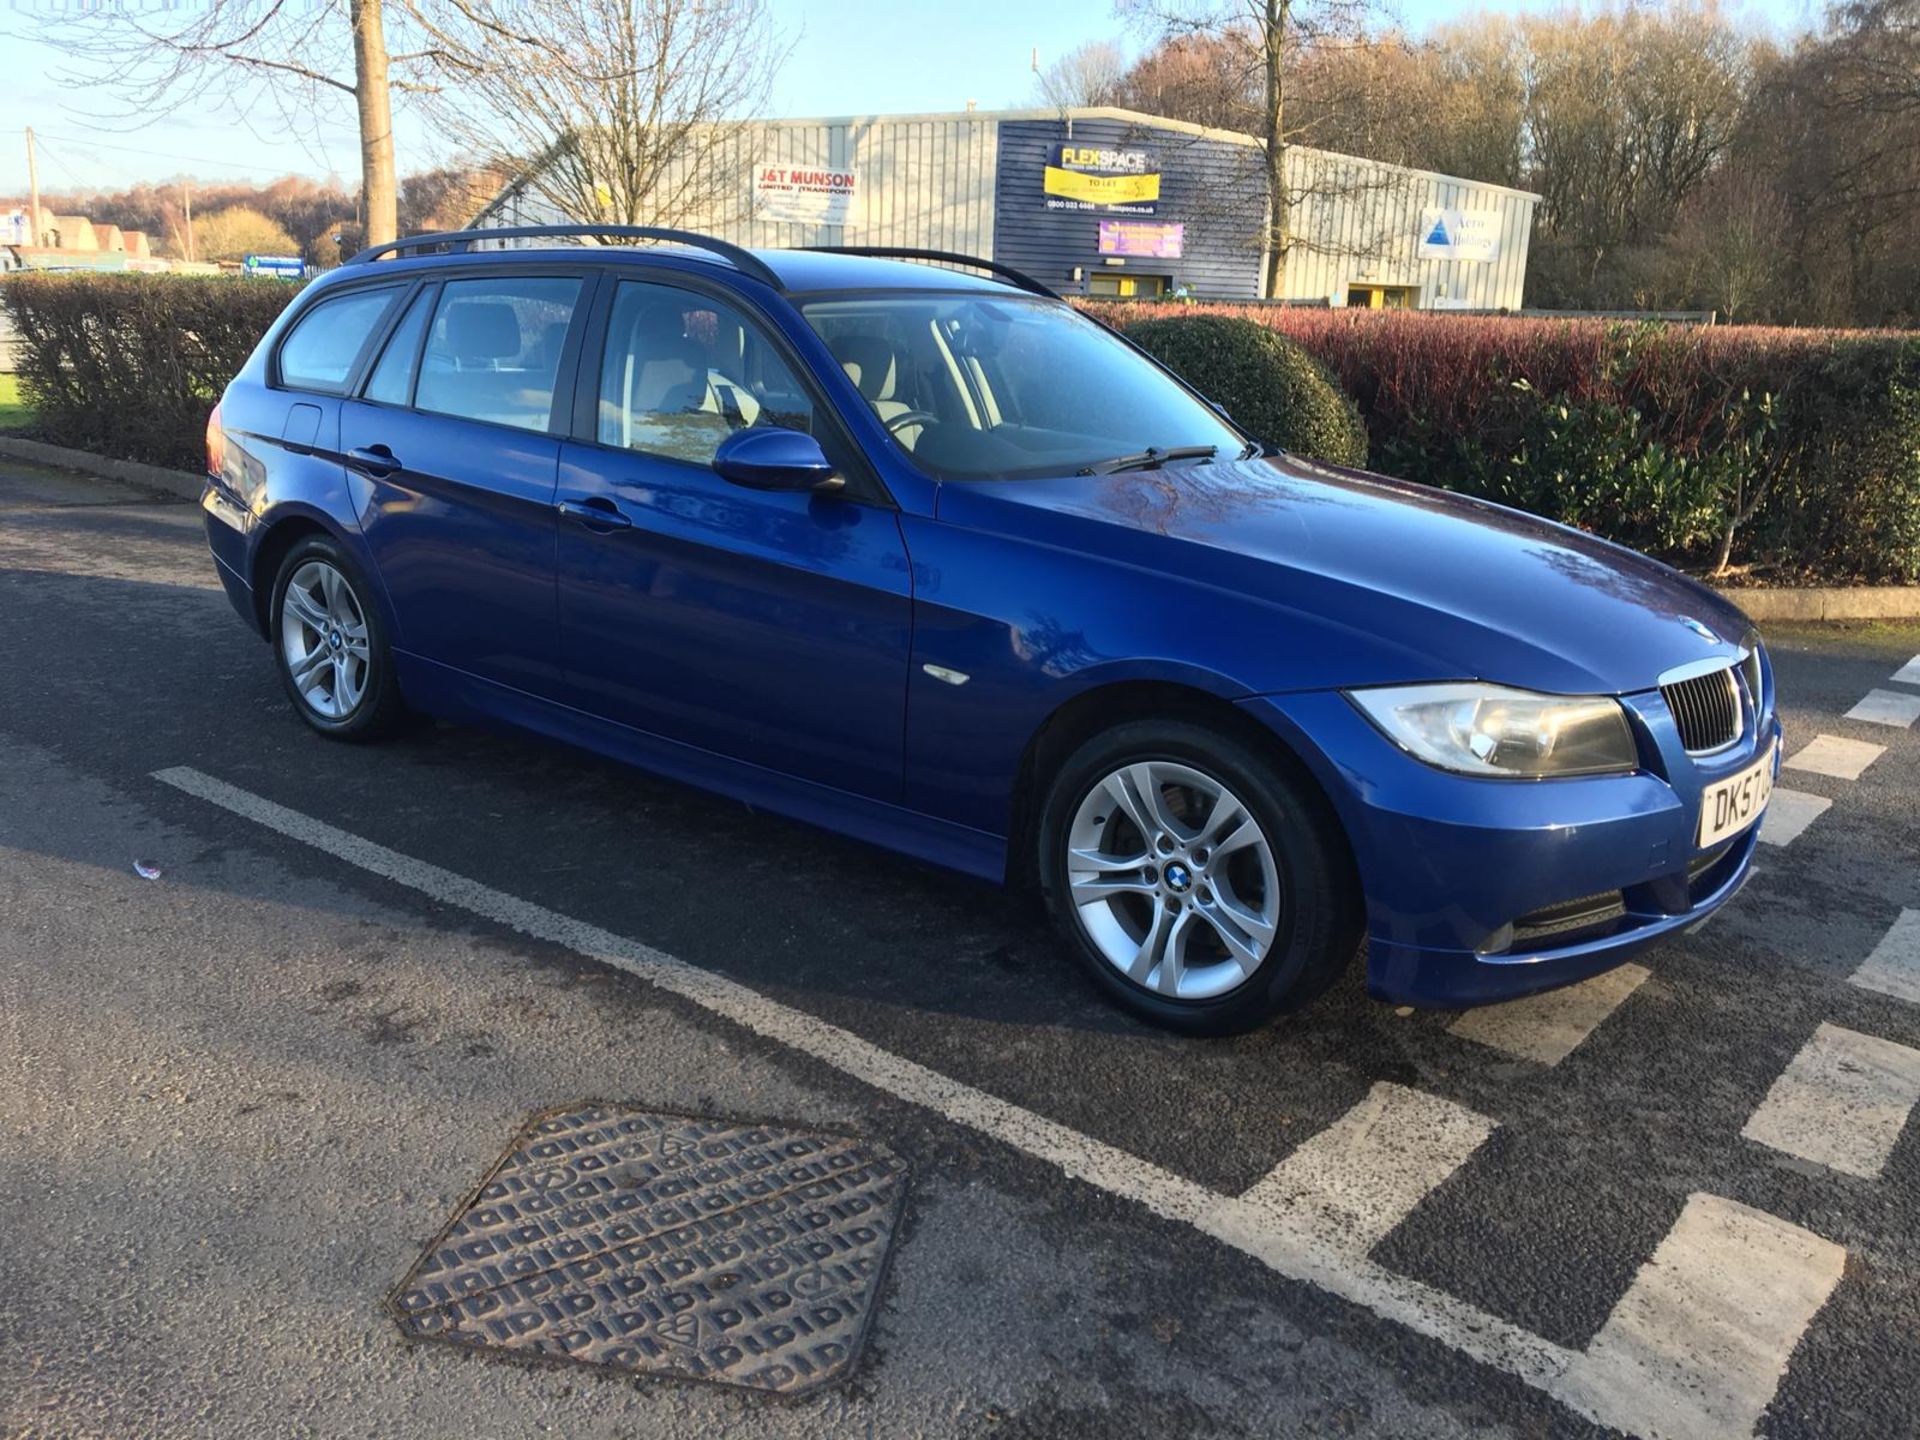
[(799, 271)]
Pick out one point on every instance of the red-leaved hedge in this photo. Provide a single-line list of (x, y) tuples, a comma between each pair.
[(1794, 454)]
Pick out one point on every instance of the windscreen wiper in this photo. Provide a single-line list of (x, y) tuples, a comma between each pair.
[(1152, 458)]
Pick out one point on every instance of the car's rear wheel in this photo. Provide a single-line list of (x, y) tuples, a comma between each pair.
[(331, 644), (1202, 881)]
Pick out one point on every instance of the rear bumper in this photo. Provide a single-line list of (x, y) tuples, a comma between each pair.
[(1463, 876)]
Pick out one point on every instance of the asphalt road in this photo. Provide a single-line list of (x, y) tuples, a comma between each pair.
[(238, 1099)]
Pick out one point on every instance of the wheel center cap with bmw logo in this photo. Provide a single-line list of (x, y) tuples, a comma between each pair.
[(1179, 879)]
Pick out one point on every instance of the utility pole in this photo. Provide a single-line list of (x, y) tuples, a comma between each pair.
[(33, 186), (186, 199)]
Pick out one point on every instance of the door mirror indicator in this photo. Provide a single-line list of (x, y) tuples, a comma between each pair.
[(765, 458)]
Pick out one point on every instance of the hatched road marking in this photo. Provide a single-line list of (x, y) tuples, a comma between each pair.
[(1842, 1102), (1909, 673), (1352, 1183), (1697, 1345), (1887, 707), (1832, 755), (1325, 1246), (1547, 1027), (1789, 813), (1894, 966)]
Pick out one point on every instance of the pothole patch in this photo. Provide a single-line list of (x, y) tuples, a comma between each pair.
[(667, 1245)]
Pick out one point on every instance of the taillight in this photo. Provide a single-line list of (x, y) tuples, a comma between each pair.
[(216, 443)]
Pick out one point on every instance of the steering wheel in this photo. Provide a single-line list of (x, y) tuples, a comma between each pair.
[(910, 417)]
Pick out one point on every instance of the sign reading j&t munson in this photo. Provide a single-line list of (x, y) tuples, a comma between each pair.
[(1459, 234), (804, 195), (1095, 178)]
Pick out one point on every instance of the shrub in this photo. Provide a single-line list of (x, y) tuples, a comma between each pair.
[(1272, 387), (1788, 454), (129, 365)]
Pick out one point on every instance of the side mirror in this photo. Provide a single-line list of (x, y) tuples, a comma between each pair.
[(766, 458)]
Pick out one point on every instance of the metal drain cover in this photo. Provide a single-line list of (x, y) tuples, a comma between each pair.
[(748, 1255)]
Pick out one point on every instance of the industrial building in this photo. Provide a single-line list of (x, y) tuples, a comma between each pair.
[(1109, 202)]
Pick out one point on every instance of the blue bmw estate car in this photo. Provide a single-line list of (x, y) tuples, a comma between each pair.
[(919, 553)]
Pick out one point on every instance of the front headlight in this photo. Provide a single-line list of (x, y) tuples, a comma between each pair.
[(1490, 730)]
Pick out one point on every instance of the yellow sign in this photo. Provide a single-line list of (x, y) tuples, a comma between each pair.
[(1101, 189)]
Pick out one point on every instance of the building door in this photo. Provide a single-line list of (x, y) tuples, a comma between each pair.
[(1384, 297)]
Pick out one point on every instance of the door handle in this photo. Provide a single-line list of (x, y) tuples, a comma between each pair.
[(597, 514), (375, 461)]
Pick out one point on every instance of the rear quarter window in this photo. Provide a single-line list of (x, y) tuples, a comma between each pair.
[(319, 353)]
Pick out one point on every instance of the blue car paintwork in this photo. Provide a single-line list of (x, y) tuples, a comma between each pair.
[(770, 625), (775, 646)]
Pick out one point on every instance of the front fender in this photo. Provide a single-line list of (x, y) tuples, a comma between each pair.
[(1013, 630)]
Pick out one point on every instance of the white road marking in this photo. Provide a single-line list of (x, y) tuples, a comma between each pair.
[(1697, 1345), (1831, 755), (1306, 1251), (1842, 1102), (1894, 966), (1909, 673), (1789, 813), (1887, 707), (1547, 1027), (1348, 1186)]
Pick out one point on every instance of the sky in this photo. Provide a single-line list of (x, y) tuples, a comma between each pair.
[(847, 57)]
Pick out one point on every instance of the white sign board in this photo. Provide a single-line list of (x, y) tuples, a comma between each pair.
[(804, 195), (1459, 234), (14, 228)]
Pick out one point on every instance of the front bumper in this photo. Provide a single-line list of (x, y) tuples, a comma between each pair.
[(1485, 890)]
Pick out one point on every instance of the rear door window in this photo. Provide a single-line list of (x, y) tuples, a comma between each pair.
[(392, 380), (323, 347), (493, 349)]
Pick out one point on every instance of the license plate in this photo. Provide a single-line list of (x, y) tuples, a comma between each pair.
[(1731, 805)]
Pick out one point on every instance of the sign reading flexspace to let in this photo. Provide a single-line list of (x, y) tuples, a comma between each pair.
[(802, 195), (1459, 234), (1091, 177)]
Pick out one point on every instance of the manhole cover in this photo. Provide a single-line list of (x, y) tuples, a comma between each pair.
[(749, 1255)]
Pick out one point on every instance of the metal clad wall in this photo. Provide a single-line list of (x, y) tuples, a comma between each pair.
[(926, 182), (1211, 186), (1358, 222)]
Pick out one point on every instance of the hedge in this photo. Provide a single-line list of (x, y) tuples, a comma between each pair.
[(1786, 455), (1275, 390), (129, 365)]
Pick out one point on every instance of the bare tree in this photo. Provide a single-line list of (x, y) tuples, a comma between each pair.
[(1089, 74), (1268, 37), (1627, 114), (273, 65), (623, 111)]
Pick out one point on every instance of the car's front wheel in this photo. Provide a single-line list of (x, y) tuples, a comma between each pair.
[(1201, 880), (331, 644)]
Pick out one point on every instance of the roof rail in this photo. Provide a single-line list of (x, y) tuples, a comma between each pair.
[(1014, 277), (459, 242)]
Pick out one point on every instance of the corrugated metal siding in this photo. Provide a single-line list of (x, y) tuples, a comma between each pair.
[(1213, 187), (925, 182), (1357, 222)]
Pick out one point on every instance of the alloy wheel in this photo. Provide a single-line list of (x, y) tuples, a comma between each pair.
[(1173, 880), (324, 641)]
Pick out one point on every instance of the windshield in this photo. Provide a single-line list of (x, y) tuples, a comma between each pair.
[(982, 387)]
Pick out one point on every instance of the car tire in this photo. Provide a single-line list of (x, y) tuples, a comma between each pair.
[(1273, 914), (331, 646)]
